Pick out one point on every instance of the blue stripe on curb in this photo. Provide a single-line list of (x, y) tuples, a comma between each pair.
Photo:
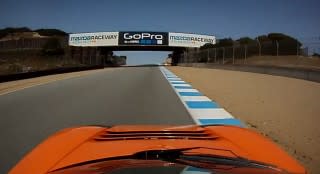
[(202, 104), (182, 82), (226, 121), (183, 87), (199, 107), (190, 94)]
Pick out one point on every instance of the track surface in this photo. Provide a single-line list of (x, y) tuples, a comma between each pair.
[(133, 95)]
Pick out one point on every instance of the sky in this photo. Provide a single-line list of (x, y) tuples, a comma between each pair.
[(221, 18)]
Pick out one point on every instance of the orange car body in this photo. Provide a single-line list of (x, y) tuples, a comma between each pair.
[(78, 145)]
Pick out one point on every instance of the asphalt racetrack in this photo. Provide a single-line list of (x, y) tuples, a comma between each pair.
[(131, 95)]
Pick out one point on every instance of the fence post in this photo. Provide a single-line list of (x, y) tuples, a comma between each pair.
[(222, 55), (297, 47), (232, 54), (186, 58), (245, 54), (96, 56), (277, 43), (259, 46), (215, 55)]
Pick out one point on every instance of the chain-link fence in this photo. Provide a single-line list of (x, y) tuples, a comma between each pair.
[(242, 53)]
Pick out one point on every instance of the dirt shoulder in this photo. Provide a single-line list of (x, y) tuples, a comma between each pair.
[(284, 109), (12, 86)]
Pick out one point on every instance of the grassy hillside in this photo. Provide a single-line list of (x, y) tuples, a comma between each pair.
[(32, 60)]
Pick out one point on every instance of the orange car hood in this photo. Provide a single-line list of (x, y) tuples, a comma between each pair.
[(78, 145)]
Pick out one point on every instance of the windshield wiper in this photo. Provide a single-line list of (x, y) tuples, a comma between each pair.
[(220, 160), (178, 156)]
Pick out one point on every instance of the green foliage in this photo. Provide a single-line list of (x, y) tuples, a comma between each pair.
[(52, 47), (246, 41), (316, 55), (4, 32), (50, 32), (263, 38), (206, 46), (276, 36), (226, 42), (284, 39)]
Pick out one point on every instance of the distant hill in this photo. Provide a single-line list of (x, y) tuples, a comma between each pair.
[(24, 32)]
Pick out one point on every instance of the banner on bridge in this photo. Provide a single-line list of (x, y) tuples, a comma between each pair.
[(94, 39), (139, 38), (143, 38), (190, 40)]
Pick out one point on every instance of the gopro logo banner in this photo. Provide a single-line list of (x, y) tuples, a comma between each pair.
[(143, 38)]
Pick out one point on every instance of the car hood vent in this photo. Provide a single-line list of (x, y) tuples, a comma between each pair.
[(145, 135)]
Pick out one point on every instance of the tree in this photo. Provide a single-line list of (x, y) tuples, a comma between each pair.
[(276, 37), (316, 55), (206, 46), (288, 44), (261, 40), (246, 41), (9, 30), (52, 47), (50, 32), (225, 42)]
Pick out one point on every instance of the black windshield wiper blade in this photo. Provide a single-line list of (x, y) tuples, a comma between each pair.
[(221, 160), (178, 156)]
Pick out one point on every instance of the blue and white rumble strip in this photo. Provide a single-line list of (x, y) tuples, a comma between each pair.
[(203, 110)]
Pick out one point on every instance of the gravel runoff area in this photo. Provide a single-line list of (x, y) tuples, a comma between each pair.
[(283, 109)]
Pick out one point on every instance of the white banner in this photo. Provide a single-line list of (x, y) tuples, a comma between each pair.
[(190, 40), (94, 39)]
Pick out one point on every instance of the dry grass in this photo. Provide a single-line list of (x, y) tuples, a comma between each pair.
[(284, 61), (32, 60)]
